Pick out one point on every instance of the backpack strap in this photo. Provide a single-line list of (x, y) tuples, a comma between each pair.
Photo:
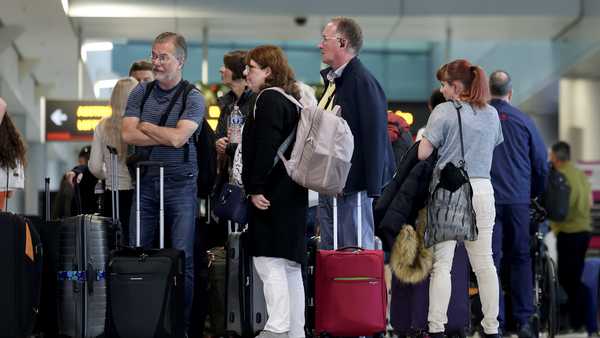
[(147, 92), (288, 140), (165, 115), (282, 92)]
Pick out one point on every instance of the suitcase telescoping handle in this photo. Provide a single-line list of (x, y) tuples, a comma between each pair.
[(358, 225), (114, 188), (47, 199), (162, 201)]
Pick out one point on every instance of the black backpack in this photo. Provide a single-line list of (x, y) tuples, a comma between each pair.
[(206, 152), (556, 197)]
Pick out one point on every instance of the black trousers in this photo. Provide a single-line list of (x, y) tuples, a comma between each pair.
[(571, 250)]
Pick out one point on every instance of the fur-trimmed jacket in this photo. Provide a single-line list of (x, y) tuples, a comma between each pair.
[(404, 196)]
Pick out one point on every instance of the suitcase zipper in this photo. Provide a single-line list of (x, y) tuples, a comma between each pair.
[(354, 279)]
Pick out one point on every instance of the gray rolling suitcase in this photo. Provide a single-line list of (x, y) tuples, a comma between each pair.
[(246, 307), (85, 242)]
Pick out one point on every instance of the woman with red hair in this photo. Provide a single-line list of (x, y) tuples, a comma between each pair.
[(465, 87)]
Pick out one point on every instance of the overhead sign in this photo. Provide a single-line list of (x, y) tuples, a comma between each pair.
[(73, 120)]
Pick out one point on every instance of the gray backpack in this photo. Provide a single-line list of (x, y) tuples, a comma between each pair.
[(321, 156)]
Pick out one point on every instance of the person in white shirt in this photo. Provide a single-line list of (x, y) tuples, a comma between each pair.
[(12, 157), (108, 133)]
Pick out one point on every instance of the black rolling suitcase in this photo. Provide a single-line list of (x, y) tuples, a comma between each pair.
[(21, 265), (146, 286), (246, 307), (49, 230), (84, 245)]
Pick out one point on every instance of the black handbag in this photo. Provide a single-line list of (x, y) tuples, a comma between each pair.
[(450, 213), (231, 204)]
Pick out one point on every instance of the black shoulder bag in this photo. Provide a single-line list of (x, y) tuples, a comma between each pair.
[(450, 213)]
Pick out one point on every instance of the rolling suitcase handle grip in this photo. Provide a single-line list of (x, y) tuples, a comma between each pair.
[(161, 204)]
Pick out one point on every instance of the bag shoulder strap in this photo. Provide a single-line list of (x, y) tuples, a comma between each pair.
[(147, 92), (458, 106)]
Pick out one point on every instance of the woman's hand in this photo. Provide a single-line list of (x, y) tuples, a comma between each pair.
[(222, 145), (260, 201)]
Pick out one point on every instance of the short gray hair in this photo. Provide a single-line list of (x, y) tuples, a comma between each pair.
[(500, 83), (178, 41), (350, 30)]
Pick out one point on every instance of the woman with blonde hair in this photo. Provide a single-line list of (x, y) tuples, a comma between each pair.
[(12, 157), (108, 133), (277, 212)]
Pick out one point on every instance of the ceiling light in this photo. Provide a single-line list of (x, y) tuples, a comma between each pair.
[(65, 6), (95, 47), (104, 84)]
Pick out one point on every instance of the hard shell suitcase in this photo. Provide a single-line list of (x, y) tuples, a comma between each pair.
[(85, 242), (146, 286), (21, 265), (350, 290), (410, 302), (246, 307)]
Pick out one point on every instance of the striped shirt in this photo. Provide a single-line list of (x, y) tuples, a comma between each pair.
[(154, 107)]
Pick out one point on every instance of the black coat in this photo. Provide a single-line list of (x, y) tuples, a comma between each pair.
[(280, 230), (364, 107), (406, 194)]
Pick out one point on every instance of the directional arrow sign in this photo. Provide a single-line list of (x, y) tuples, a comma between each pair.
[(73, 120), (58, 117)]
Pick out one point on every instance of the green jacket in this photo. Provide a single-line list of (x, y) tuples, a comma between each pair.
[(578, 218)]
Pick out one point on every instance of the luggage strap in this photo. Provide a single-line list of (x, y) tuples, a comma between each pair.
[(79, 276)]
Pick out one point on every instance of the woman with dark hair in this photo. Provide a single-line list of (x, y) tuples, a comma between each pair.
[(239, 97), (277, 212), (466, 86), (12, 157)]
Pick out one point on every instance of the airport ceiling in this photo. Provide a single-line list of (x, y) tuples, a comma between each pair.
[(48, 34)]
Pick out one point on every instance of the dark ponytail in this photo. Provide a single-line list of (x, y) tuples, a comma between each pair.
[(471, 76)]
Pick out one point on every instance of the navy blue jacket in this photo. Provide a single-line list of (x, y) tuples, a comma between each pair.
[(364, 107), (520, 163)]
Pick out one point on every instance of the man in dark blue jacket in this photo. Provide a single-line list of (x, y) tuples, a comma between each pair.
[(364, 106), (519, 170)]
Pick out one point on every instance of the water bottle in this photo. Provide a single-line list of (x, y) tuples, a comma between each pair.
[(236, 121)]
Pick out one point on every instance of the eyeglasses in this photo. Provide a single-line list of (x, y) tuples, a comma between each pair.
[(161, 58), (248, 67), (325, 38)]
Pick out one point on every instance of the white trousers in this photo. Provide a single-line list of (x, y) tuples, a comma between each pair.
[(480, 256), (284, 295)]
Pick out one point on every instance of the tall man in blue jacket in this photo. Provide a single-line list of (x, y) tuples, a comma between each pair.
[(364, 106), (519, 170)]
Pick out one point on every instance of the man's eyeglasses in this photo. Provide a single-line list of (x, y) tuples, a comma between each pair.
[(161, 58), (325, 38)]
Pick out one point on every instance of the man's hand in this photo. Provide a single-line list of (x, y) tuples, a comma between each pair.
[(70, 176), (144, 127), (222, 145), (260, 201)]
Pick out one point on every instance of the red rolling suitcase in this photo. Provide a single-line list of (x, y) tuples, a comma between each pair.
[(350, 290)]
